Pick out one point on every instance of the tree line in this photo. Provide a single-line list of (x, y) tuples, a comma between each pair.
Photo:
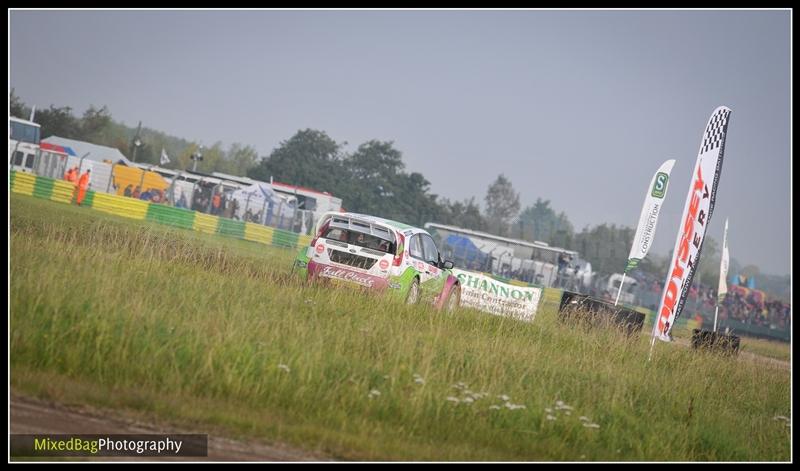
[(373, 179)]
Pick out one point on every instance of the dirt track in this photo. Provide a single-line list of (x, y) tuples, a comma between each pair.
[(30, 416)]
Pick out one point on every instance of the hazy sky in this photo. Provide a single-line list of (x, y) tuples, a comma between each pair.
[(578, 107)]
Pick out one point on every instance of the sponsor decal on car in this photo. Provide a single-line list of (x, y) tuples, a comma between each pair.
[(347, 275), (320, 248), (383, 264)]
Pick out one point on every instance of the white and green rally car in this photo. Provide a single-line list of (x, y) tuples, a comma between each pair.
[(382, 255)]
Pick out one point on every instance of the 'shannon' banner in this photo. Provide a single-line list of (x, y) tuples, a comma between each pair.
[(694, 222), (495, 297), (648, 219)]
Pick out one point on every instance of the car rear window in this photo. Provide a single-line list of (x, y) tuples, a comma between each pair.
[(360, 239)]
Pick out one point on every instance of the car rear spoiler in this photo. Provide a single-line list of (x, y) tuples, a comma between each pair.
[(354, 224)]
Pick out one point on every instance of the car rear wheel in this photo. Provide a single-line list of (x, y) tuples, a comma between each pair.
[(413, 292), (453, 299)]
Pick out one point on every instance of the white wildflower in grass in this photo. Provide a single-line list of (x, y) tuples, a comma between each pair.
[(591, 425), (460, 385), (495, 407), (283, 367), (468, 400), (568, 412), (550, 417), (472, 395), (511, 406), (419, 380), (386, 377), (548, 410), (559, 404), (503, 397), (453, 399), (781, 417), (374, 393), (583, 418)]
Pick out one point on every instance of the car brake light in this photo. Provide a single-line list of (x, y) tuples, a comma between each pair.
[(319, 234), (401, 247)]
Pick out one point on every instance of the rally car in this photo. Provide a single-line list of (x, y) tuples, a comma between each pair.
[(381, 255)]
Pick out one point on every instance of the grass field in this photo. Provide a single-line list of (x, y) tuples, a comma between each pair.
[(768, 348), (215, 335)]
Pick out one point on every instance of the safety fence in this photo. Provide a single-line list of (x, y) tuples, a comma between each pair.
[(150, 186), (63, 192)]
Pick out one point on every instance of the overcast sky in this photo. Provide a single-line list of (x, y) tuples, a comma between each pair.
[(577, 107)]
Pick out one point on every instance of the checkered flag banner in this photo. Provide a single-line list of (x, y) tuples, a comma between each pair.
[(693, 223), (715, 130)]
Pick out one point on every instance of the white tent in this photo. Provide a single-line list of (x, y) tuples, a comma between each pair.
[(492, 248), (263, 205), (95, 152)]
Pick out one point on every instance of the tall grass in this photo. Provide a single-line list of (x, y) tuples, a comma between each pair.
[(769, 348), (215, 333)]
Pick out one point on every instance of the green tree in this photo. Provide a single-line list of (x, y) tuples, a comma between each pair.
[(378, 184), (240, 159), (563, 232), (16, 107), (420, 207), (465, 214), (606, 247), (309, 158), (502, 205), (540, 222), (213, 159), (708, 270), (95, 124), (59, 122)]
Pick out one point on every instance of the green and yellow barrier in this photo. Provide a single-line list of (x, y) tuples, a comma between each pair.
[(177, 217), (23, 183), (120, 205), (62, 191), (205, 223)]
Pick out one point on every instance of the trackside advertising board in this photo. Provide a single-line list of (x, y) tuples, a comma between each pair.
[(488, 294), (693, 223)]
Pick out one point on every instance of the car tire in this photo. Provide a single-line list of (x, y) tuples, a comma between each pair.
[(453, 300), (412, 297)]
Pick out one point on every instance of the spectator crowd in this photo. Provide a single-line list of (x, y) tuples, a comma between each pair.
[(745, 305)]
